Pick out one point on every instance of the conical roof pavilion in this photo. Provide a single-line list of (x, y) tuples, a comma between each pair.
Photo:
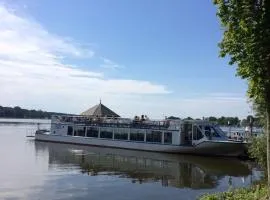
[(100, 110)]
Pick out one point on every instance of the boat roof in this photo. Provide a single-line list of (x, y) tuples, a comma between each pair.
[(100, 110)]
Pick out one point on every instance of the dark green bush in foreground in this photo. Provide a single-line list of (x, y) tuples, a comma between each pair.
[(258, 192), (257, 150)]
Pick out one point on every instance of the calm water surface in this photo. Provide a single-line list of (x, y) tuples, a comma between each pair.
[(38, 170)]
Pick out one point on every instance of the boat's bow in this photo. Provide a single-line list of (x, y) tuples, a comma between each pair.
[(222, 147)]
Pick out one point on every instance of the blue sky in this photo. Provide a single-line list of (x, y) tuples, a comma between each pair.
[(152, 57)]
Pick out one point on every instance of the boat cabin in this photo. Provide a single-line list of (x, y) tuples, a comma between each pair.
[(169, 132)]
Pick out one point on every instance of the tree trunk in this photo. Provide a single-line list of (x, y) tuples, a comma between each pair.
[(267, 132)]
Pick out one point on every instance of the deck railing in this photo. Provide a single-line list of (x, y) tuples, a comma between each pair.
[(115, 122)]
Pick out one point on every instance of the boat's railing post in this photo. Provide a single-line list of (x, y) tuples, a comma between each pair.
[(192, 133), (144, 139), (38, 126), (85, 131), (129, 134), (229, 124)]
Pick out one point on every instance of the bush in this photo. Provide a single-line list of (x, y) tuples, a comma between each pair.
[(258, 192), (257, 150)]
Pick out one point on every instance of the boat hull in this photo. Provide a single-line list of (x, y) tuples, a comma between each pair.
[(213, 148)]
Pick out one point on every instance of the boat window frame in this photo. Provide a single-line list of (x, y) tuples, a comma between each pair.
[(212, 130), (153, 137), (90, 128), (137, 132), (120, 132), (79, 130), (68, 130), (105, 131), (170, 141), (198, 129)]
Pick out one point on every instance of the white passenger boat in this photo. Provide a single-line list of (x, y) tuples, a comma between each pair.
[(99, 126)]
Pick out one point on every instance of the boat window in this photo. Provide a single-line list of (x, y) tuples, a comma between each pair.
[(79, 131), (120, 136), (154, 136), (137, 135), (186, 133), (197, 133), (92, 132), (167, 138), (211, 132), (70, 130), (219, 131), (106, 133)]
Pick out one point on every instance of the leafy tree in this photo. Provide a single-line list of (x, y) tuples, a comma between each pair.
[(212, 119), (246, 41), (222, 120), (173, 117), (18, 112), (244, 122)]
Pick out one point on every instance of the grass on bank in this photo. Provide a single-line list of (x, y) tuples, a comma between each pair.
[(256, 192)]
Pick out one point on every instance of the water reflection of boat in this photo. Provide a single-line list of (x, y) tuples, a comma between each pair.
[(169, 169)]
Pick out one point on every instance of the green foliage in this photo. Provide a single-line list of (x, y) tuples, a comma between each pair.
[(17, 112), (173, 117), (247, 42), (234, 121), (256, 123), (212, 119), (188, 118), (258, 192), (257, 150)]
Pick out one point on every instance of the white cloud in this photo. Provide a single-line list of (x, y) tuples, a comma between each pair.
[(32, 71), (33, 75), (109, 64), (23, 38)]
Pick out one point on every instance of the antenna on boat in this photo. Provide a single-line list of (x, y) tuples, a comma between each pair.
[(99, 100)]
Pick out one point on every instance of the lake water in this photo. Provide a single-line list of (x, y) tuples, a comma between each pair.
[(40, 171)]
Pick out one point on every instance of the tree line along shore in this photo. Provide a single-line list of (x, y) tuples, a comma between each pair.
[(18, 112)]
